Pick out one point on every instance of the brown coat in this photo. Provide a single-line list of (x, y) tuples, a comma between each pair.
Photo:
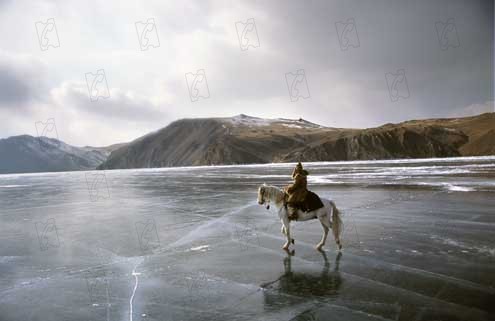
[(297, 191)]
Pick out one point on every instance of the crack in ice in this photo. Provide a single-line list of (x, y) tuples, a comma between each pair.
[(135, 274)]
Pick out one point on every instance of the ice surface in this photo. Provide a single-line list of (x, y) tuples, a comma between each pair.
[(192, 244)]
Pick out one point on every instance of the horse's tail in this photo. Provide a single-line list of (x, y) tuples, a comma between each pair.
[(337, 224)]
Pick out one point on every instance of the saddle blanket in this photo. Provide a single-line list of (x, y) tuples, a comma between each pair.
[(311, 203)]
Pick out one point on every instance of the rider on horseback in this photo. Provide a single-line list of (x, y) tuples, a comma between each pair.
[(295, 194)]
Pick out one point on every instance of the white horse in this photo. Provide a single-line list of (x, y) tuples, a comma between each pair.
[(329, 215)]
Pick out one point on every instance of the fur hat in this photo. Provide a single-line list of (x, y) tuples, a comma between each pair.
[(299, 170)]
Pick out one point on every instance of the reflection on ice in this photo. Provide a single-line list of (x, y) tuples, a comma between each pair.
[(295, 284)]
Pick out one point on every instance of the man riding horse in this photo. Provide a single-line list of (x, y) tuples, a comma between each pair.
[(297, 192)]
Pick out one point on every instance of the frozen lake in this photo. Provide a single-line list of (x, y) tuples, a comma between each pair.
[(192, 244)]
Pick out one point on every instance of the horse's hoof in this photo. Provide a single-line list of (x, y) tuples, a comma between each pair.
[(290, 252), (293, 242)]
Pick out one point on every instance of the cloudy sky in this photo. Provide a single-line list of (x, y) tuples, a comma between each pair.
[(111, 71)]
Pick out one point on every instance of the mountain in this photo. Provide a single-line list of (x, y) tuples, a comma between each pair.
[(246, 140), (469, 136), (25, 154), (106, 150)]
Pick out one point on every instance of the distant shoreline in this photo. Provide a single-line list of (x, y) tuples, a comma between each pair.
[(281, 165)]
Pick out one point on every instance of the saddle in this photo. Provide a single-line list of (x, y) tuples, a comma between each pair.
[(312, 202)]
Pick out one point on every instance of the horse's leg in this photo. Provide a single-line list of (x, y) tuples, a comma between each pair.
[(326, 224), (287, 233), (285, 221), (336, 224), (284, 232), (286, 227), (324, 236)]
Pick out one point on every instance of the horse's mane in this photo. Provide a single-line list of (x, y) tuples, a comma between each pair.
[(273, 191)]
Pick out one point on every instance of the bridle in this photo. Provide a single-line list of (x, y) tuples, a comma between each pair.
[(267, 202)]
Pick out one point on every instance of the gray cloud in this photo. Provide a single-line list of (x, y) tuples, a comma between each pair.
[(118, 106), (21, 81), (348, 87)]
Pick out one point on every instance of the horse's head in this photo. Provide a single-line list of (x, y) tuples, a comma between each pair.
[(263, 197)]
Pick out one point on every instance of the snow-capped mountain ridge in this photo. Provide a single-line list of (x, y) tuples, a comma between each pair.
[(251, 121), (244, 139)]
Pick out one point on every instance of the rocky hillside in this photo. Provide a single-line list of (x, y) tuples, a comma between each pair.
[(243, 139), (26, 154)]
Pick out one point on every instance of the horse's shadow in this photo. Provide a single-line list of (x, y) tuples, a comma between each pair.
[(295, 287)]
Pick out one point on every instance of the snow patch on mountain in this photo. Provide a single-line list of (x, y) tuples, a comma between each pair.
[(249, 121)]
